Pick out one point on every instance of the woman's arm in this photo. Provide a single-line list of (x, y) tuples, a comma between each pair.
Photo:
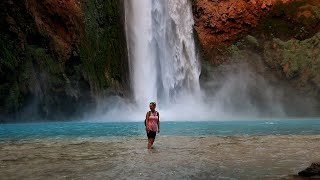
[(158, 123), (147, 119)]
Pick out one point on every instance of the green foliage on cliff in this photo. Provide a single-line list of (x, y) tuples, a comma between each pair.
[(9, 89), (22, 71), (296, 19), (34, 75), (8, 59), (298, 60), (289, 9), (103, 46), (43, 59)]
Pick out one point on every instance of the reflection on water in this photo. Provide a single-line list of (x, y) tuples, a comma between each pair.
[(174, 157)]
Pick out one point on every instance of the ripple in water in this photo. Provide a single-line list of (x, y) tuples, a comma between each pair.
[(174, 157)]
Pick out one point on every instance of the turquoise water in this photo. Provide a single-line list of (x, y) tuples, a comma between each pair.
[(183, 150), (118, 129)]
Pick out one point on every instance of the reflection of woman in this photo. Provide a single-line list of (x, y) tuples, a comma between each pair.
[(152, 123)]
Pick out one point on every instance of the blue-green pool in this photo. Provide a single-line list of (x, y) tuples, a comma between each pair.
[(116, 129)]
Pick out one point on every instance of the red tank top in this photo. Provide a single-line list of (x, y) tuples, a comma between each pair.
[(153, 121)]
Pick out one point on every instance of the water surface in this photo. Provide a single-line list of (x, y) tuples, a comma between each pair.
[(131, 129), (183, 150)]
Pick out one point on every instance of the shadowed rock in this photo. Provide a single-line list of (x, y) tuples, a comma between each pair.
[(313, 170)]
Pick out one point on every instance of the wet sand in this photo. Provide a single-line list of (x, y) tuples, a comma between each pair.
[(173, 157)]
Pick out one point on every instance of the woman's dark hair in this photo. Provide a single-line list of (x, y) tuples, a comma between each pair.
[(154, 103)]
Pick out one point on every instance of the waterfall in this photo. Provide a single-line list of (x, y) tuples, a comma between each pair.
[(164, 68), (162, 57)]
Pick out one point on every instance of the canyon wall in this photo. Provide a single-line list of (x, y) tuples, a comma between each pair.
[(57, 58), (284, 34)]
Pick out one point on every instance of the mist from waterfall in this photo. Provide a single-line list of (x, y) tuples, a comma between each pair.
[(164, 67)]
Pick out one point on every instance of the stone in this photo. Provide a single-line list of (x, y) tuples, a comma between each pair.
[(313, 170)]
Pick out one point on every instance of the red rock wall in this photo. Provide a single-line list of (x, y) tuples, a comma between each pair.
[(225, 21), (59, 21), (284, 34), (220, 22)]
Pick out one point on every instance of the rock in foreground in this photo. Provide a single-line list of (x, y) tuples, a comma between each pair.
[(313, 170)]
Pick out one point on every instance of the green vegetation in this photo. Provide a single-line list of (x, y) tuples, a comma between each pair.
[(32, 71), (289, 9), (286, 22), (43, 60), (103, 45), (22, 71), (297, 59), (8, 59), (9, 86)]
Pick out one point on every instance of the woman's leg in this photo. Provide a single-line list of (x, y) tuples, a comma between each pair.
[(149, 143), (152, 141), (151, 138)]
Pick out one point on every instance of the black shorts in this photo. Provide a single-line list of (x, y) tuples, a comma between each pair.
[(151, 134)]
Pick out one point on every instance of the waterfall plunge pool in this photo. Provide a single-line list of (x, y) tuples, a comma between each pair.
[(168, 128), (183, 150)]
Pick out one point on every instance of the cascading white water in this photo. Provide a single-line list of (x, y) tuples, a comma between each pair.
[(141, 58), (161, 49), (164, 68)]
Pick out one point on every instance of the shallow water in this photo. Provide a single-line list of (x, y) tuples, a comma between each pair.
[(173, 157), (183, 150)]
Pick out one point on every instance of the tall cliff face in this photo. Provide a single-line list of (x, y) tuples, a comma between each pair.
[(283, 33), (57, 57), (221, 23), (103, 47)]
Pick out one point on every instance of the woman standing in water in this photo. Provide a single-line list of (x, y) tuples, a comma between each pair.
[(152, 122)]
